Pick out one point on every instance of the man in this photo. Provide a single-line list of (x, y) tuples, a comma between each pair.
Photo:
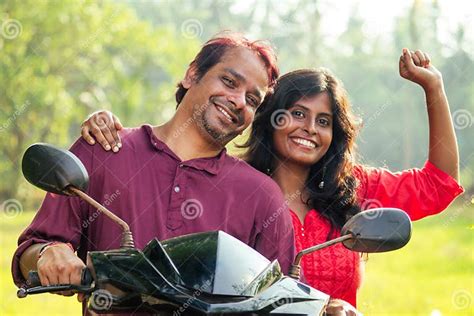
[(172, 179)]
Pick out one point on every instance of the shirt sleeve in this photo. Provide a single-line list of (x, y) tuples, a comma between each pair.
[(276, 239), (58, 219), (419, 192)]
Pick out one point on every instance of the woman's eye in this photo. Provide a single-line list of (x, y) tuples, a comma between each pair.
[(323, 122), (297, 113)]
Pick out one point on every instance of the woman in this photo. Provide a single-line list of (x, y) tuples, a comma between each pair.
[(303, 137)]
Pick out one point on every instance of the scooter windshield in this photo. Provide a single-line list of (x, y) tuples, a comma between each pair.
[(219, 264)]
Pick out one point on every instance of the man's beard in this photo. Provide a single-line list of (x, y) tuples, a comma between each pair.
[(217, 136)]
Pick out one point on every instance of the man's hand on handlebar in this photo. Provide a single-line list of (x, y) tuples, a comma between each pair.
[(59, 264)]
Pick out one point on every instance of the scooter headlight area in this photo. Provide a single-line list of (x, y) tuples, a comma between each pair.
[(197, 274)]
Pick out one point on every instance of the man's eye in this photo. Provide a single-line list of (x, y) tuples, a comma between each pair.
[(252, 101), (228, 82)]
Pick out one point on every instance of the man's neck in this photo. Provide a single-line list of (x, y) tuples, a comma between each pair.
[(183, 138)]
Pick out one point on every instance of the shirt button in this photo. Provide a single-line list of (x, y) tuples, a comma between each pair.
[(176, 189), (302, 234)]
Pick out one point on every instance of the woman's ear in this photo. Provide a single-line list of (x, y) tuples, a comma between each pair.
[(189, 77)]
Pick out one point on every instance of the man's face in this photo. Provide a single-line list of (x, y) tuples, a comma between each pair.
[(224, 100)]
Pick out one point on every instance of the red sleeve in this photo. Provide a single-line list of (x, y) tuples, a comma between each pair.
[(419, 192), (58, 219)]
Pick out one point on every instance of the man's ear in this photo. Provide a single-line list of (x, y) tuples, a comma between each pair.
[(190, 77)]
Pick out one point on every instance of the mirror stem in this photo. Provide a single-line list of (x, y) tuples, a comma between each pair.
[(295, 269), (127, 238)]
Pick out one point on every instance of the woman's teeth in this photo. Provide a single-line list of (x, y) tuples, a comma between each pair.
[(304, 142), (225, 114)]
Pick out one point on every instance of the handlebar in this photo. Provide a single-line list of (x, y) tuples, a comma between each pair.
[(34, 285)]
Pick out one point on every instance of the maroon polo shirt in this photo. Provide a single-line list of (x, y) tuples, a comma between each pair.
[(159, 195)]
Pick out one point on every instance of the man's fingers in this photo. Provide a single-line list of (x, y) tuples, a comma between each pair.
[(86, 135), (43, 279), (75, 276), (81, 297)]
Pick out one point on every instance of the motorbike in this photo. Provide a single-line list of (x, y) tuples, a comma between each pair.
[(204, 273)]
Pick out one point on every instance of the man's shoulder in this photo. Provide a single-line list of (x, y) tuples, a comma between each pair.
[(249, 177), (133, 139)]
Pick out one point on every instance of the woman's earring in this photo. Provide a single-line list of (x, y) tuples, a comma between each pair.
[(321, 184)]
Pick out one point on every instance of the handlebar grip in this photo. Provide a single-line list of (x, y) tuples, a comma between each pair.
[(34, 280), (34, 285)]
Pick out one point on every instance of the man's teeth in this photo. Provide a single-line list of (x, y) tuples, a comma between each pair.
[(225, 113), (305, 142)]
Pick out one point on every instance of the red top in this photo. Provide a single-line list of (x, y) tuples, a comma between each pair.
[(336, 270)]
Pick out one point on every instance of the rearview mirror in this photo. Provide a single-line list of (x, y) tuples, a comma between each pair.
[(377, 230), (53, 169)]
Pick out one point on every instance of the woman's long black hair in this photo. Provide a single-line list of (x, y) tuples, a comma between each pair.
[(337, 200)]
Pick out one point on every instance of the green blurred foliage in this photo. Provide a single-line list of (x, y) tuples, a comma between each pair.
[(60, 60)]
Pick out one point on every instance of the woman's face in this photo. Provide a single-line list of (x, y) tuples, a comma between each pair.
[(306, 135)]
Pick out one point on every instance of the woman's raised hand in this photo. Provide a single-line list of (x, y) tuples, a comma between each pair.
[(416, 66)]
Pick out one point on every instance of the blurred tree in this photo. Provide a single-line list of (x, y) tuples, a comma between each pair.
[(62, 60)]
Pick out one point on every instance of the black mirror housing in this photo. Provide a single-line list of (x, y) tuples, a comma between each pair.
[(377, 230), (53, 169)]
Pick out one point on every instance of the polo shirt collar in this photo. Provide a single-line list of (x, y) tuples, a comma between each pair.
[(211, 165)]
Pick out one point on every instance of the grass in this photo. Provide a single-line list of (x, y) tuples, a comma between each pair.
[(433, 275)]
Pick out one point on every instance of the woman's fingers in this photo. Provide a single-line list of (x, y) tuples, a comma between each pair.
[(115, 127), (428, 59), (416, 58), (85, 133)]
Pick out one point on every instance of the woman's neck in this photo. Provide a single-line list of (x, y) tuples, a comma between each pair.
[(291, 179)]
